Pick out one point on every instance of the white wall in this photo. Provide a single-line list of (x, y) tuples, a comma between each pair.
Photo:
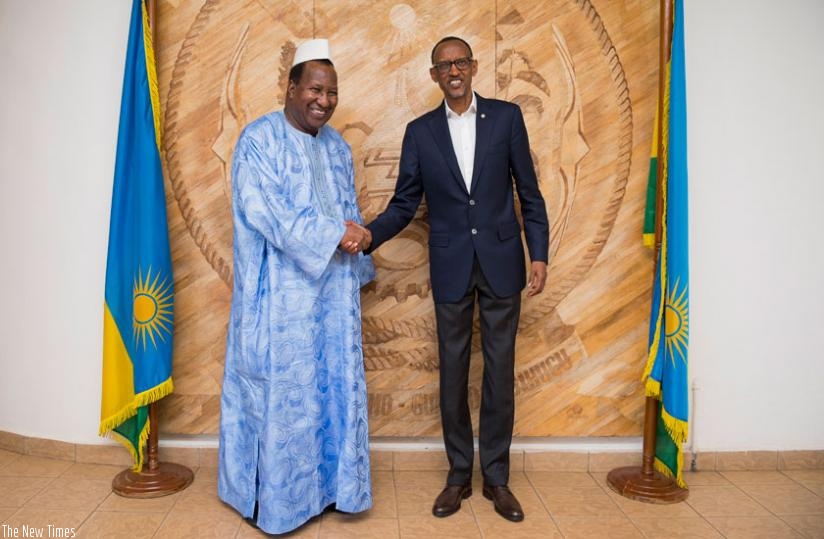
[(754, 84), (62, 71), (754, 88)]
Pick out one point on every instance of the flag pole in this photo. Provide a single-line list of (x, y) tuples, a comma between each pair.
[(644, 483), (157, 478)]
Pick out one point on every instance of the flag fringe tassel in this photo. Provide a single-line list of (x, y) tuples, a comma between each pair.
[(137, 455), (678, 429), (145, 398), (652, 388), (679, 479), (151, 72)]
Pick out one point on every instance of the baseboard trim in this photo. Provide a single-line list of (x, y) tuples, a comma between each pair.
[(527, 454)]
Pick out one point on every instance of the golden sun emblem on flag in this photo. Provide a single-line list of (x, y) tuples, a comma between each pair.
[(152, 303), (677, 322)]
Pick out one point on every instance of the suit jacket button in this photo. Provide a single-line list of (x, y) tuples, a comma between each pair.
[(472, 202), (474, 231)]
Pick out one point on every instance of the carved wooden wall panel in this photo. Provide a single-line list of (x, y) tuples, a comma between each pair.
[(584, 73)]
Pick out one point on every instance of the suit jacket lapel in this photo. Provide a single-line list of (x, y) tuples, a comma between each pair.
[(483, 131), (440, 134)]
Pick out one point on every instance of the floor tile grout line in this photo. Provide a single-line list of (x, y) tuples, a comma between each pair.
[(543, 503), (804, 485), (395, 495), (372, 473), (475, 515), (86, 519), (546, 507), (166, 515), (767, 509), (477, 523), (770, 512), (43, 489), (39, 492), (163, 521), (93, 511), (793, 528), (168, 511), (704, 517), (606, 490), (13, 459)]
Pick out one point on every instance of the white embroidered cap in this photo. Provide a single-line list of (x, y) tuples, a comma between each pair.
[(314, 49)]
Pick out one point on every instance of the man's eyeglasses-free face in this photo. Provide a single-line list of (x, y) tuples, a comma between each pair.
[(461, 63)]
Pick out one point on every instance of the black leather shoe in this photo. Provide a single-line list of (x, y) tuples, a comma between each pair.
[(449, 500), (505, 502)]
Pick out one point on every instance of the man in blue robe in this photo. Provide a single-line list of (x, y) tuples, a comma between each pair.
[(293, 424)]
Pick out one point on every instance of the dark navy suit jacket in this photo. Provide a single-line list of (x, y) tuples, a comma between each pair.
[(481, 222)]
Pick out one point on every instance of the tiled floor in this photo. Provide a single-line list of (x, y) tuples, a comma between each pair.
[(39, 492)]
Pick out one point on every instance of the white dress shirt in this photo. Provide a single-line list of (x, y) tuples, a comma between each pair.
[(462, 133)]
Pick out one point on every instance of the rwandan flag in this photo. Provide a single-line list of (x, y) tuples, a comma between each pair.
[(666, 370), (137, 319)]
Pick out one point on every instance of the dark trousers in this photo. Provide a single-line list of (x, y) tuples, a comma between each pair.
[(499, 324)]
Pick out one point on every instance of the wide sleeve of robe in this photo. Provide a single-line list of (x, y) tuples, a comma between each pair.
[(274, 202), (364, 267)]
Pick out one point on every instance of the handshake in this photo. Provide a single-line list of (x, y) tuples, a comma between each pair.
[(356, 238)]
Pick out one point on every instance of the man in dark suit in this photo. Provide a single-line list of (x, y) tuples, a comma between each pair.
[(463, 156)]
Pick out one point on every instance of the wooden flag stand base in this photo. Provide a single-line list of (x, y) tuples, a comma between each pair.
[(631, 482), (645, 484), (157, 478)]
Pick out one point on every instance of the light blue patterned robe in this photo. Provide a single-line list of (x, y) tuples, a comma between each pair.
[(293, 423)]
